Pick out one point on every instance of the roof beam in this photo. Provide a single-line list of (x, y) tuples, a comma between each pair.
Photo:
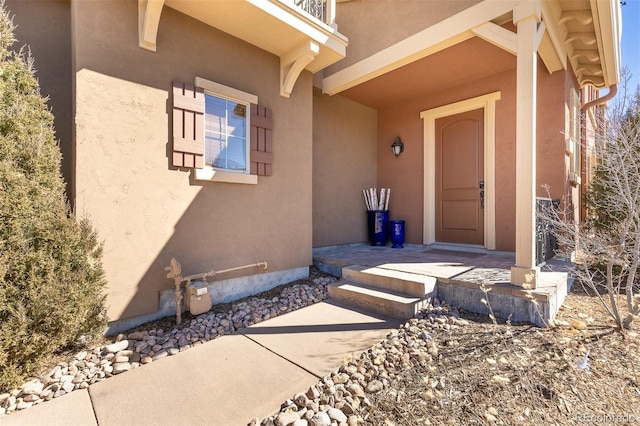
[(498, 36), (433, 39)]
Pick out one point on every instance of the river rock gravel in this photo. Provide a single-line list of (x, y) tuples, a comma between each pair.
[(138, 348), (345, 396)]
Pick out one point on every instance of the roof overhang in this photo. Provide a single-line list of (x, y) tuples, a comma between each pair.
[(585, 35), (581, 34), (300, 40)]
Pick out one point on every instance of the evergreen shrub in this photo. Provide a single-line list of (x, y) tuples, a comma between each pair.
[(51, 276)]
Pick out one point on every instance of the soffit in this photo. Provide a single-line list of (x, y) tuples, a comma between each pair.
[(581, 34), (459, 65), (588, 33), (274, 26)]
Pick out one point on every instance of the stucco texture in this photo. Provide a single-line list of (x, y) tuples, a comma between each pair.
[(372, 25), (405, 173), (147, 212), (344, 163)]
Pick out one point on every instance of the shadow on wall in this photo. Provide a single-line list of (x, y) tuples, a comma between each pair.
[(153, 213), (148, 212)]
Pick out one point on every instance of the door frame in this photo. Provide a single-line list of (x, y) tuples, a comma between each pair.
[(429, 117)]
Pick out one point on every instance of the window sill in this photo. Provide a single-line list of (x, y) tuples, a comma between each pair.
[(211, 175)]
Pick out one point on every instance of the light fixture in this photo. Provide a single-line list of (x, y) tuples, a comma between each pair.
[(397, 146)]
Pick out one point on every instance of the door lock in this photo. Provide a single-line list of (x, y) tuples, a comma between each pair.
[(481, 184)]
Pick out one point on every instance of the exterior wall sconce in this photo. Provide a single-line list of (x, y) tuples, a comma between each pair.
[(397, 146)]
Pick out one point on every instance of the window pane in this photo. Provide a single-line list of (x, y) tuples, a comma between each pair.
[(214, 151), (236, 154), (215, 114), (225, 133), (236, 119)]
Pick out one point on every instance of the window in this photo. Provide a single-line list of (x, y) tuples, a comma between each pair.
[(228, 135), (220, 132), (225, 134)]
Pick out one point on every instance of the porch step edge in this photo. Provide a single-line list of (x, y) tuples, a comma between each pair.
[(417, 285), (387, 302)]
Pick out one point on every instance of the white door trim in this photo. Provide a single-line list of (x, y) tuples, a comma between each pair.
[(429, 117)]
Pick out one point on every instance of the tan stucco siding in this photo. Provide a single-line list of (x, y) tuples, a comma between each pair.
[(373, 25), (405, 173), (553, 94), (45, 27), (148, 213), (344, 163)]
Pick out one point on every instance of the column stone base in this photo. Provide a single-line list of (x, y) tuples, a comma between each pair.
[(525, 277)]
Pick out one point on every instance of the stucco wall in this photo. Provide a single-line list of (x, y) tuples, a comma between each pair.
[(405, 173), (344, 163), (552, 109), (148, 213), (372, 25), (45, 27)]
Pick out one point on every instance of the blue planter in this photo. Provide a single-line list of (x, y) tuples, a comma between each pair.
[(378, 226), (397, 233)]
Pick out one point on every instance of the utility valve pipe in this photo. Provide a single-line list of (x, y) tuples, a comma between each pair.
[(174, 271)]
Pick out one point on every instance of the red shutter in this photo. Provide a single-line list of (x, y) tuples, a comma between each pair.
[(188, 125), (261, 141)]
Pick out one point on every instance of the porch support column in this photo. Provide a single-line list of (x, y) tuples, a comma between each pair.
[(526, 17)]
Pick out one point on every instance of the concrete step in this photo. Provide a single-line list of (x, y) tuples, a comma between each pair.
[(387, 302), (413, 284)]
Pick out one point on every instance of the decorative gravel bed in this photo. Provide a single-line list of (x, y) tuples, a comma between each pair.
[(452, 367), (345, 397), (446, 366), (153, 341)]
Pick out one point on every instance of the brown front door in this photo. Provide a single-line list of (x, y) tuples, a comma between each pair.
[(459, 177)]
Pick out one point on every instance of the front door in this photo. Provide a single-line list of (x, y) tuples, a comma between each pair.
[(459, 150)]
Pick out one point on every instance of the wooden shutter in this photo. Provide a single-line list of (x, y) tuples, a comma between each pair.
[(188, 125), (261, 141)]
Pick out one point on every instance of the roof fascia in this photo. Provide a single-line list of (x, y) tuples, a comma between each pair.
[(607, 19)]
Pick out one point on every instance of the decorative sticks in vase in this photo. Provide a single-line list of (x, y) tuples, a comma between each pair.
[(373, 202)]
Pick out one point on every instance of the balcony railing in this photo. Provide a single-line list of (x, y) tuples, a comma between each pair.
[(314, 8), (322, 10)]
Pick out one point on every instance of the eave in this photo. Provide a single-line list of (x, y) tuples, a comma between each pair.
[(301, 41), (585, 35), (581, 34)]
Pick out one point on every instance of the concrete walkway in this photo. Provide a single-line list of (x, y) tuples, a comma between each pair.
[(227, 381)]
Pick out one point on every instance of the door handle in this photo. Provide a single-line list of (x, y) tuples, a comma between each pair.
[(482, 199)]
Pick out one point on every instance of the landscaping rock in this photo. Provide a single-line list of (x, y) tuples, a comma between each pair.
[(337, 415), (144, 347), (287, 419), (116, 347), (121, 367), (320, 419), (341, 398), (30, 388), (375, 386)]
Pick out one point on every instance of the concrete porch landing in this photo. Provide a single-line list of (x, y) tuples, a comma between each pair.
[(460, 275)]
